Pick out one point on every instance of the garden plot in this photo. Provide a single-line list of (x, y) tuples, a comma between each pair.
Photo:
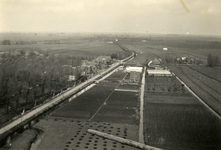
[(165, 84), (84, 106), (127, 86), (176, 120), (121, 107), (68, 134), (116, 76)]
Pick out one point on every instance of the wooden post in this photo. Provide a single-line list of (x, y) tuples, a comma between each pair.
[(122, 140)]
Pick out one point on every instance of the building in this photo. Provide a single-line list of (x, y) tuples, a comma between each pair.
[(135, 69), (71, 78), (162, 72), (156, 63)]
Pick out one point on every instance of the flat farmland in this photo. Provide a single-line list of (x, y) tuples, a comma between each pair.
[(164, 84), (84, 106), (100, 108), (68, 134), (121, 107), (176, 120), (188, 45), (202, 85), (76, 49)]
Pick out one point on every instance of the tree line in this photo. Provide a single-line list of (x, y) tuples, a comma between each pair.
[(31, 79)]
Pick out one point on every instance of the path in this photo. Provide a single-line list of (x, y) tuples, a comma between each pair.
[(141, 137)]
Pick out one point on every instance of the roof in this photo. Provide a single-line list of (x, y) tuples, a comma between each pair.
[(156, 61), (136, 69), (162, 72)]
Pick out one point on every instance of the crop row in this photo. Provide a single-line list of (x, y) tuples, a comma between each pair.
[(86, 103), (180, 124), (212, 73), (175, 99), (121, 107), (204, 87)]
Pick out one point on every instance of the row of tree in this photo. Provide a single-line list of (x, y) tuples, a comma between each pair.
[(25, 80)]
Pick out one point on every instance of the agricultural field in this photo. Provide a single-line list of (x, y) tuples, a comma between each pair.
[(121, 107), (208, 89), (68, 134), (174, 119), (84, 106), (100, 108)]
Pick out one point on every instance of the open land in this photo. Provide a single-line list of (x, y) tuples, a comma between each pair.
[(173, 118), (100, 108)]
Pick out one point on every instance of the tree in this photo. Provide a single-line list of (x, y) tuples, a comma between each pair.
[(6, 42), (113, 56)]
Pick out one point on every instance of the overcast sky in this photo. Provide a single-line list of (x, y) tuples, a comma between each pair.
[(143, 16)]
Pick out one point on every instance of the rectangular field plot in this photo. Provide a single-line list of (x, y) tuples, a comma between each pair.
[(121, 107), (84, 106), (165, 98), (119, 75), (164, 84), (181, 127), (129, 86)]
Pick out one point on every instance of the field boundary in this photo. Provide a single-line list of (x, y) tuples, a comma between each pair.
[(126, 90)]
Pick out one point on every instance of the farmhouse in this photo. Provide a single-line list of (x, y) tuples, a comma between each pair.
[(155, 63), (158, 73)]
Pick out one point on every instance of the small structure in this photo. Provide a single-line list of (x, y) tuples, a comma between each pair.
[(135, 69), (154, 63), (165, 49), (71, 78), (159, 73)]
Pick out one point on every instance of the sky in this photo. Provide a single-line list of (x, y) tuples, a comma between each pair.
[(127, 16)]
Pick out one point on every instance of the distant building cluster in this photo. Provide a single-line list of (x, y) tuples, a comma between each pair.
[(88, 68)]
